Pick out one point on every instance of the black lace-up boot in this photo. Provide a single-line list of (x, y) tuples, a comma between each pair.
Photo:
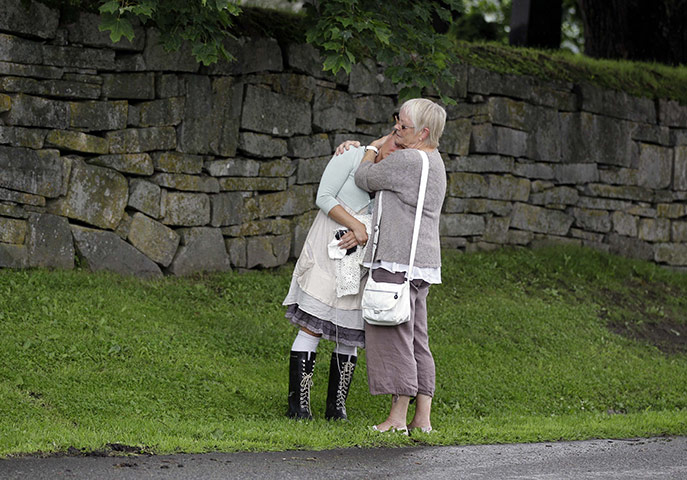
[(341, 368), (300, 381)]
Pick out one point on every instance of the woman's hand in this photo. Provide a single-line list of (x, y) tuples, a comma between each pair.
[(355, 236), (345, 146)]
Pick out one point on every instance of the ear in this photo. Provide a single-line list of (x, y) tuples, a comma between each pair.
[(424, 135)]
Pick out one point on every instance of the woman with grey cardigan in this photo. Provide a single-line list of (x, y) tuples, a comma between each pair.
[(399, 361)]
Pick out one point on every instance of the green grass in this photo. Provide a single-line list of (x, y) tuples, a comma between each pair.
[(520, 338)]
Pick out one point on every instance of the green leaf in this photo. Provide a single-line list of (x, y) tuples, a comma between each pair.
[(117, 26), (110, 7)]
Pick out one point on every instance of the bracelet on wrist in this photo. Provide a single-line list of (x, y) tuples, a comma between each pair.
[(373, 148)]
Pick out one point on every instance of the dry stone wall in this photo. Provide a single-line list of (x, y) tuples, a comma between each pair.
[(142, 162)]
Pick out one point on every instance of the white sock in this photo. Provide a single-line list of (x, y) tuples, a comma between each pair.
[(305, 342), (346, 350)]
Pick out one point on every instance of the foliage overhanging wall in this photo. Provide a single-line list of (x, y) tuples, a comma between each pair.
[(143, 162)]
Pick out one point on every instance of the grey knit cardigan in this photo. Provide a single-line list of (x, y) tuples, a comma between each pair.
[(398, 175)]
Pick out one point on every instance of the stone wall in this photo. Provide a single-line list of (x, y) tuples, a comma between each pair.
[(140, 161)]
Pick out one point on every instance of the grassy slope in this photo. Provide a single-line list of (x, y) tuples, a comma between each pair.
[(520, 338)]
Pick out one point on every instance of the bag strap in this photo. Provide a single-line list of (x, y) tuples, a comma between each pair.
[(418, 214)]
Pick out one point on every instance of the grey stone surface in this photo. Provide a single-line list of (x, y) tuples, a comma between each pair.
[(95, 195), (459, 224), (281, 167), (655, 166), (258, 54), (19, 50), (306, 58), (30, 111), (134, 163), (671, 253), (487, 138), (176, 162), (50, 88), (226, 209), (157, 241), (510, 113), (267, 112), (555, 196), (157, 113), (366, 78), (139, 140), (90, 116), (592, 220), (23, 137), (540, 220), (12, 230), (296, 200), (40, 172), (20, 197), (232, 167), (105, 251), (618, 104), (49, 242), (672, 114), (619, 176), (630, 247), (654, 229), (185, 209), (158, 59), (76, 142), (680, 174), (310, 169), (576, 173), (333, 110), (590, 138), (202, 250), (84, 30), (374, 109), (267, 251), (544, 138), (134, 86), (13, 256), (188, 183), (236, 248), (260, 145), (530, 170), (145, 197), (481, 164), (625, 224), (309, 146), (456, 137), (252, 184), (31, 18)]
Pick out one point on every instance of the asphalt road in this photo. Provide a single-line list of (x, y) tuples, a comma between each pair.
[(655, 458)]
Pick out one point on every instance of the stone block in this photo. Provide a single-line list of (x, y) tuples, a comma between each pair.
[(280, 115), (78, 57), (309, 146), (613, 103), (169, 85), (533, 170), (655, 166), (496, 230), (157, 241), (232, 167), (307, 59), (507, 187), (671, 253), (226, 209), (366, 78), (128, 62), (555, 196), (30, 111), (333, 110), (460, 225), (654, 229), (487, 138), (680, 174), (267, 251), (650, 133), (145, 197), (18, 50), (236, 248), (509, 113), (481, 164), (544, 138), (592, 220), (671, 210), (274, 226), (603, 203), (12, 230), (625, 224), (158, 113), (139, 140), (296, 200), (310, 170), (40, 172), (576, 173), (374, 109), (77, 141), (185, 209), (202, 250), (95, 195), (30, 18), (259, 54), (252, 184), (456, 137), (105, 251), (84, 30), (300, 87), (618, 192), (95, 116), (540, 220), (50, 243), (5, 103), (131, 86), (50, 88), (672, 114), (467, 185), (283, 167), (619, 176), (677, 137), (13, 256), (176, 162), (641, 211), (134, 163), (589, 138), (519, 237), (158, 59), (477, 205), (189, 183), (23, 137), (20, 197), (678, 232), (263, 146)]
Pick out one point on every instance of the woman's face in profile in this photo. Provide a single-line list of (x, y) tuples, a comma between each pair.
[(388, 147)]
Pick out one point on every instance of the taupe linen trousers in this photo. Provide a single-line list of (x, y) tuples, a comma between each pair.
[(398, 358)]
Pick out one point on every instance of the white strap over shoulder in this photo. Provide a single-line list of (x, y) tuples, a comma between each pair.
[(418, 214)]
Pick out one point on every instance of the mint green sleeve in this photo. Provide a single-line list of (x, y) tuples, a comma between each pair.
[(335, 175)]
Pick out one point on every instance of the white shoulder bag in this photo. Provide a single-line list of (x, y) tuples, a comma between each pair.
[(388, 304)]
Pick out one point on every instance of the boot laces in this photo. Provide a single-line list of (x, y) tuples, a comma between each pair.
[(344, 382), (306, 384)]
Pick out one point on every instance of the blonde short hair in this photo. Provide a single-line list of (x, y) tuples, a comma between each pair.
[(425, 113)]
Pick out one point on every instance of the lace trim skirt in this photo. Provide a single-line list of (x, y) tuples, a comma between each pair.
[(328, 330)]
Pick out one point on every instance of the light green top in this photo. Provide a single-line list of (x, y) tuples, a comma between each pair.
[(338, 183)]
